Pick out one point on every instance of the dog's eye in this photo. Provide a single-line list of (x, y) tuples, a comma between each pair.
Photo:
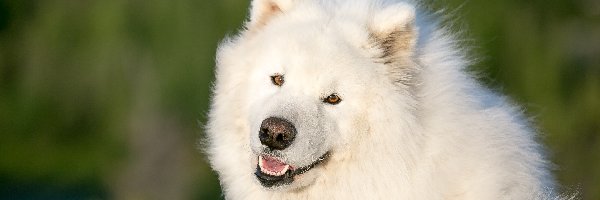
[(277, 79), (332, 99)]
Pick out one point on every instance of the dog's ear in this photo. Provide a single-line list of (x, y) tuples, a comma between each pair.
[(262, 11), (394, 33)]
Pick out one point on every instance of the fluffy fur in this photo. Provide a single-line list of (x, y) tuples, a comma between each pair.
[(412, 124)]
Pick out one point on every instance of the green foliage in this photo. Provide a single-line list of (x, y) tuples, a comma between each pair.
[(82, 81), (75, 76)]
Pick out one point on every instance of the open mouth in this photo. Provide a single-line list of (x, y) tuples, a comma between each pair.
[(271, 171)]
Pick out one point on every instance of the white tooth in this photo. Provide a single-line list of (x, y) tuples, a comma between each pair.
[(285, 169), (260, 164)]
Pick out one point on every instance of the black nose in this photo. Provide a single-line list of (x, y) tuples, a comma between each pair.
[(276, 133)]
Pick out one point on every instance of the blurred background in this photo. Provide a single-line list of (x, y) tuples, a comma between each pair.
[(106, 99)]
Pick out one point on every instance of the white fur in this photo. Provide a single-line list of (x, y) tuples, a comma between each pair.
[(440, 135)]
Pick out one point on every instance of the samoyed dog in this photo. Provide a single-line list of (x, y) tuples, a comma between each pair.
[(362, 99)]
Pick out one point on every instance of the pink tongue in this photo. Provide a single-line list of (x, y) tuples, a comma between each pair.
[(272, 164)]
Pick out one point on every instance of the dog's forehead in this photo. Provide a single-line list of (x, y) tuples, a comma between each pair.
[(312, 51), (306, 46)]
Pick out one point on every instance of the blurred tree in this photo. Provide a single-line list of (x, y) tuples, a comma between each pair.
[(103, 98)]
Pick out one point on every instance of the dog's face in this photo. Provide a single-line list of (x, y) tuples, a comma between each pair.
[(310, 84), (304, 90)]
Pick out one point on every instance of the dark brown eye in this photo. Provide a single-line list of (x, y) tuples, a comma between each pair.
[(277, 80), (332, 99)]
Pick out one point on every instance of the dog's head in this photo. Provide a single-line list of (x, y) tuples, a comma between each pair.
[(313, 72)]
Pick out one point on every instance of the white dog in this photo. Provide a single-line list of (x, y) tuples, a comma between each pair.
[(358, 99)]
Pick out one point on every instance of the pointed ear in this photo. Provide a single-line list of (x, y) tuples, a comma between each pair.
[(262, 11), (394, 33)]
